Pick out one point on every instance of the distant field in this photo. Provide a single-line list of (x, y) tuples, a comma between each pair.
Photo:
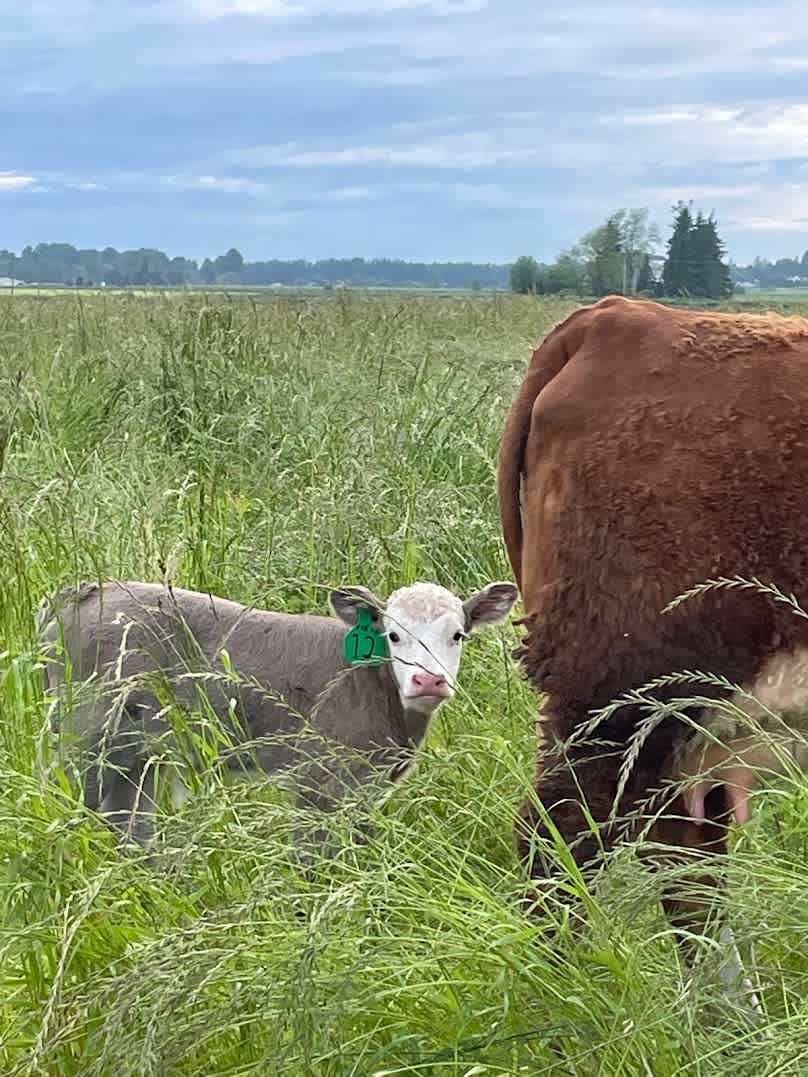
[(265, 292), (785, 299), (266, 451), (774, 298)]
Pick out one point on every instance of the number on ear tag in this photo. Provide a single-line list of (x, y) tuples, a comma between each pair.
[(364, 644)]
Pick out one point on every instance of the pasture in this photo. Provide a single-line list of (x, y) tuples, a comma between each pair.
[(267, 451)]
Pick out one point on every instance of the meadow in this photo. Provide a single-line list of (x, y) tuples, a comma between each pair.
[(267, 451)]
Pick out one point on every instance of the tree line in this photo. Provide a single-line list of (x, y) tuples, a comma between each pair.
[(619, 255), (783, 273), (62, 263)]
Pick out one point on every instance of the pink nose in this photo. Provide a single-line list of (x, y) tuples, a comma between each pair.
[(429, 684)]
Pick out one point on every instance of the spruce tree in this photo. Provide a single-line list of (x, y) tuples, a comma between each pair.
[(698, 250), (721, 278), (695, 261), (710, 275), (676, 271)]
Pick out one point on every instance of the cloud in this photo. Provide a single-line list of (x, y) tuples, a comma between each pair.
[(521, 199), (704, 194), (13, 181), (790, 63), (775, 207), (285, 194), (782, 209), (471, 150), (405, 43), (677, 136), (728, 133), (350, 194), (760, 168), (244, 185), (219, 9), (798, 225), (691, 38), (222, 184), (508, 142), (510, 41), (517, 40)]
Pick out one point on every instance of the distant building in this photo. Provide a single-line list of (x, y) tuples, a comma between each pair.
[(10, 282)]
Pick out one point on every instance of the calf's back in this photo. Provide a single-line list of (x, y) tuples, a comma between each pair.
[(287, 666)]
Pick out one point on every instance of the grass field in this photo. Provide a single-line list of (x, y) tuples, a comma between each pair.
[(266, 451)]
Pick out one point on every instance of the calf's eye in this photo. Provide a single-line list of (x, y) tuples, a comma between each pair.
[(394, 637), (458, 636)]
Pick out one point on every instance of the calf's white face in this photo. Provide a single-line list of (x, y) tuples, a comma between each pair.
[(425, 626)]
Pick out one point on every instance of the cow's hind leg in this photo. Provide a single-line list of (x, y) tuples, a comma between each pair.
[(577, 790), (692, 902)]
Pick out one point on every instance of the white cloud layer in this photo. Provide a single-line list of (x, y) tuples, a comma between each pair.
[(680, 136), (13, 181), (731, 133), (268, 9)]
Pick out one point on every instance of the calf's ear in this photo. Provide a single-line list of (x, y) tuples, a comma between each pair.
[(493, 603), (347, 601)]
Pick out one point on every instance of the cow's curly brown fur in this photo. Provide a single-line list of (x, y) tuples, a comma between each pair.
[(648, 450)]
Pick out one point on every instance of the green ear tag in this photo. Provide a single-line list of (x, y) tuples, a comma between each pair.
[(364, 643)]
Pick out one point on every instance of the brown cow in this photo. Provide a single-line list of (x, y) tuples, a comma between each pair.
[(650, 450)]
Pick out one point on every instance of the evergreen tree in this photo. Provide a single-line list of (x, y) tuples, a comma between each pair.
[(695, 263), (709, 274), (720, 276), (676, 271)]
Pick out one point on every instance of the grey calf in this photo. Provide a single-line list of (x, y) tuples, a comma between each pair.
[(277, 685)]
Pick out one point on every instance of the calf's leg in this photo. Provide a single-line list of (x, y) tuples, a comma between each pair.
[(323, 786), (120, 782), (127, 801)]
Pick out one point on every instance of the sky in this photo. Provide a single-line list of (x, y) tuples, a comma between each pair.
[(419, 129)]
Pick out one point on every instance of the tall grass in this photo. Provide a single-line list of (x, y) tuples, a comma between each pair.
[(267, 451)]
